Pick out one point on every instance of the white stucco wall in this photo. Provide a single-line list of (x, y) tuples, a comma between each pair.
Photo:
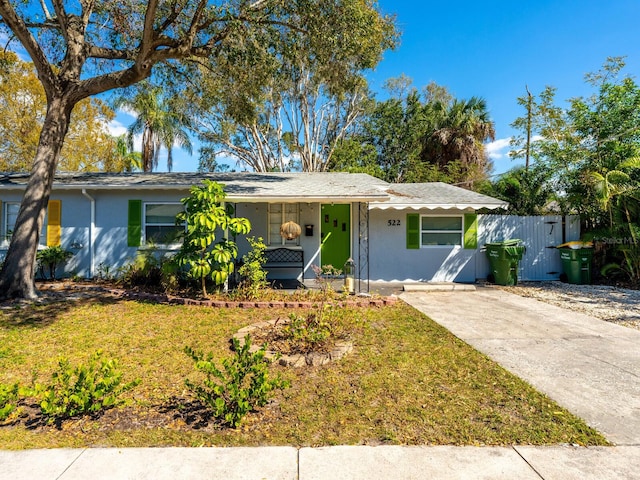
[(111, 251), (75, 220), (390, 260)]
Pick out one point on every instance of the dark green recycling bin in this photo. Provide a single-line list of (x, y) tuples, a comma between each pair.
[(503, 258), (576, 264)]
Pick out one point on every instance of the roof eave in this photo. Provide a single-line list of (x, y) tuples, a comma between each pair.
[(438, 206)]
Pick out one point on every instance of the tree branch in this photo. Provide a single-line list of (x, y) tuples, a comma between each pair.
[(22, 33), (93, 51), (146, 43), (45, 10), (61, 18)]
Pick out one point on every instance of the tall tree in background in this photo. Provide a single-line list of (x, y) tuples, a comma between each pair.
[(543, 133), (606, 148), (160, 121), (591, 150), (387, 140), (461, 129), (313, 91), (125, 155), (421, 136), (23, 104), (82, 49)]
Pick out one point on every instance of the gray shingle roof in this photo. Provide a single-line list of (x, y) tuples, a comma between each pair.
[(280, 187), (244, 186), (436, 195)]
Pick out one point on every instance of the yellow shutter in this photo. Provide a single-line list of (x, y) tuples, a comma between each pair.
[(54, 214)]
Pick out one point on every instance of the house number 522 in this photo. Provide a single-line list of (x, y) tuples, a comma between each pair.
[(393, 223)]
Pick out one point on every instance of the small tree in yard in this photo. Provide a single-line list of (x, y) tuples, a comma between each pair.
[(205, 216)]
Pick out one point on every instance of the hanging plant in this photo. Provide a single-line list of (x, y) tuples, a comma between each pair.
[(290, 230)]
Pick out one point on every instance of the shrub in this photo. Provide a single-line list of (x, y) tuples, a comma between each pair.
[(627, 266), (306, 332), (253, 276), (240, 386), (8, 400), (151, 270), (50, 259), (324, 275), (314, 331), (84, 389)]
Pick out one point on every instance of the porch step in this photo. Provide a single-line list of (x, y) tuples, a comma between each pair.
[(439, 287)]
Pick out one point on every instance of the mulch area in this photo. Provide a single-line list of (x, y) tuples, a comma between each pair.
[(68, 290)]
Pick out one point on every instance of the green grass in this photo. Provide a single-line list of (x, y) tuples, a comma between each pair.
[(408, 381)]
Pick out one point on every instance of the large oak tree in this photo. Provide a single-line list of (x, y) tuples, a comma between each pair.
[(84, 48)]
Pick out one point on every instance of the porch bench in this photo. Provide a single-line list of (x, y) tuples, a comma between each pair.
[(284, 258)]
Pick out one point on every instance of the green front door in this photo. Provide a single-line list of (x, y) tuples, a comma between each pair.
[(335, 232)]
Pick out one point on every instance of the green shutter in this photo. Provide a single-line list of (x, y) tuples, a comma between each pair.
[(134, 231), (470, 231), (413, 231)]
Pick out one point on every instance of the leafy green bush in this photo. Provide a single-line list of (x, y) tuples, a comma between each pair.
[(151, 270), (8, 400), (253, 276), (206, 216), (626, 267), (84, 389), (50, 259), (240, 386)]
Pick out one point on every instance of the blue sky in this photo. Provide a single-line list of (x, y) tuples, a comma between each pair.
[(493, 49)]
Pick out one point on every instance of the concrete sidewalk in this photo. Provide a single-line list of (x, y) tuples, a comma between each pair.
[(587, 365), (328, 463)]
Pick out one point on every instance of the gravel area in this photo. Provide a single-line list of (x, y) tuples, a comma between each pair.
[(613, 304)]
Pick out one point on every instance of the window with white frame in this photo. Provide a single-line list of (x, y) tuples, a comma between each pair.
[(441, 230), (280, 213), (160, 226), (10, 216)]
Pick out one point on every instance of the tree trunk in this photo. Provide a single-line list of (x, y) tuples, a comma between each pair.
[(17, 277)]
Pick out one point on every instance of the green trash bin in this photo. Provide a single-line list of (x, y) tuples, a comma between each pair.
[(503, 258), (576, 263)]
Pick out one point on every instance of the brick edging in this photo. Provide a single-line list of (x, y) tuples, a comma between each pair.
[(170, 299)]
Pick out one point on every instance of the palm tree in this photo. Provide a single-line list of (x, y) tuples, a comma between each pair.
[(461, 128), (125, 155), (159, 122)]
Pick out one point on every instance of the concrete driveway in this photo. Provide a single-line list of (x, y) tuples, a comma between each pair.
[(589, 366)]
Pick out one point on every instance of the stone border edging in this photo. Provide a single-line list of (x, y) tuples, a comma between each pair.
[(162, 298), (171, 299), (340, 349)]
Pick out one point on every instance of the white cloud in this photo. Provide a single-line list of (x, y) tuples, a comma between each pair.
[(128, 111), (116, 128), (498, 148)]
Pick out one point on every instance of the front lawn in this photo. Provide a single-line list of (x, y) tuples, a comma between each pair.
[(407, 381)]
